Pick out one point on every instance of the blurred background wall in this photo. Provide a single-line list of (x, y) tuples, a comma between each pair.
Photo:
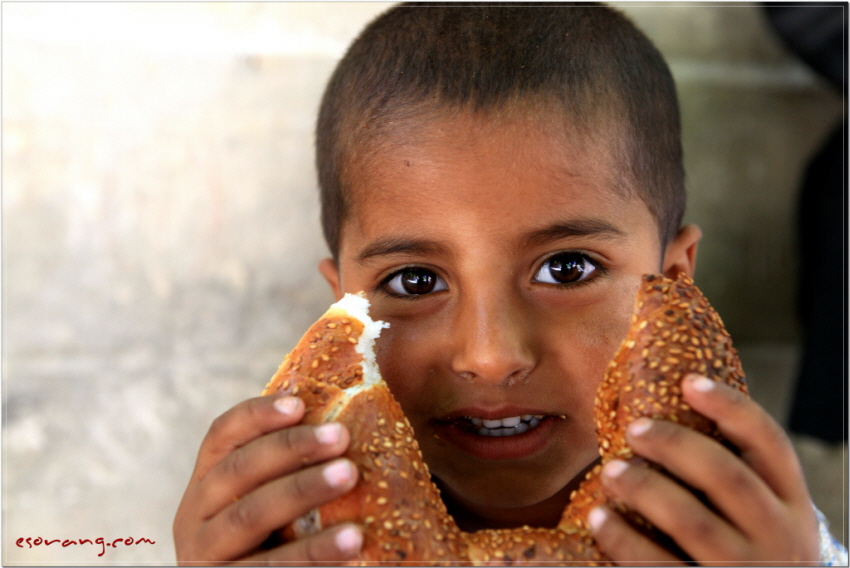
[(160, 234)]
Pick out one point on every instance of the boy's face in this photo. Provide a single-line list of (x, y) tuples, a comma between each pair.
[(507, 266)]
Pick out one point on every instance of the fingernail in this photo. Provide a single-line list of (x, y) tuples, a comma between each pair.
[(349, 539), (596, 518), (640, 426), (614, 469), (287, 405), (338, 473), (702, 384), (328, 434)]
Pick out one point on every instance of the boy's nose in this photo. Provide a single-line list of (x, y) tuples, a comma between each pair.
[(492, 342)]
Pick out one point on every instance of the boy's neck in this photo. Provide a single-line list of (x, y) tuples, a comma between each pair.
[(546, 514)]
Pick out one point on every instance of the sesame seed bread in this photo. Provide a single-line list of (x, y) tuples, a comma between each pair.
[(674, 331)]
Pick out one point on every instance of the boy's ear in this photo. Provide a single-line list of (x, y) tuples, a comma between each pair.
[(681, 252), (329, 270)]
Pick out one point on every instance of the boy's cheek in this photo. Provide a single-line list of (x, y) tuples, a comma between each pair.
[(408, 365), (589, 341)]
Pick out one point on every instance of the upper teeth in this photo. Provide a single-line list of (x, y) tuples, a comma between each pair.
[(504, 422), (506, 426)]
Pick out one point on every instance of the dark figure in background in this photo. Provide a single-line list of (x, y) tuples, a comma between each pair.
[(817, 34)]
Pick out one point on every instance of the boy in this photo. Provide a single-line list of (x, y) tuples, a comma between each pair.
[(497, 180)]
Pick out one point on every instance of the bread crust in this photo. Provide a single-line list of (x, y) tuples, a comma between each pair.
[(674, 332)]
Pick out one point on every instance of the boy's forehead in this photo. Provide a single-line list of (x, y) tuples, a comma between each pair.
[(513, 167), (524, 145)]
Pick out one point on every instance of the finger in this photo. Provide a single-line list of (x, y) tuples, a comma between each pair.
[(674, 510), (268, 457), (244, 422), (704, 464), (762, 442), (244, 524), (331, 546), (624, 544)]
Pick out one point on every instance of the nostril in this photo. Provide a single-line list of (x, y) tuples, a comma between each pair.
[(467, 376), (518, 377)]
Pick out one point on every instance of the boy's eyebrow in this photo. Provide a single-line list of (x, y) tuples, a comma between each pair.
[(574, 228), (397, 245)]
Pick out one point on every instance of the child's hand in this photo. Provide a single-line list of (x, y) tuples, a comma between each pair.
[(763, 509), (256, 472)]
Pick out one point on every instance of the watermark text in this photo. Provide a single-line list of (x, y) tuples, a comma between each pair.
[(29, 542)]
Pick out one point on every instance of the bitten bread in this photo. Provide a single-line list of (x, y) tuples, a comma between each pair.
[(674, 332)]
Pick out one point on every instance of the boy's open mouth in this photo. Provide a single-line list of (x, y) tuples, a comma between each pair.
[(482, 434), (487, 432), (504, 427)]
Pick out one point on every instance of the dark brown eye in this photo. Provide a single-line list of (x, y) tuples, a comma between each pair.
[(565, 268), (414, 281)]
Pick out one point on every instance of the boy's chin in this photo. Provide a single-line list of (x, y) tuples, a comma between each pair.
[(511, 497)]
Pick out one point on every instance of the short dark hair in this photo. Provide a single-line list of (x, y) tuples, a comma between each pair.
[(589, 61)]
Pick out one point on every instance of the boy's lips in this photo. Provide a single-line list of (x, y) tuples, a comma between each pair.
[(508, 433), (504, 427)]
